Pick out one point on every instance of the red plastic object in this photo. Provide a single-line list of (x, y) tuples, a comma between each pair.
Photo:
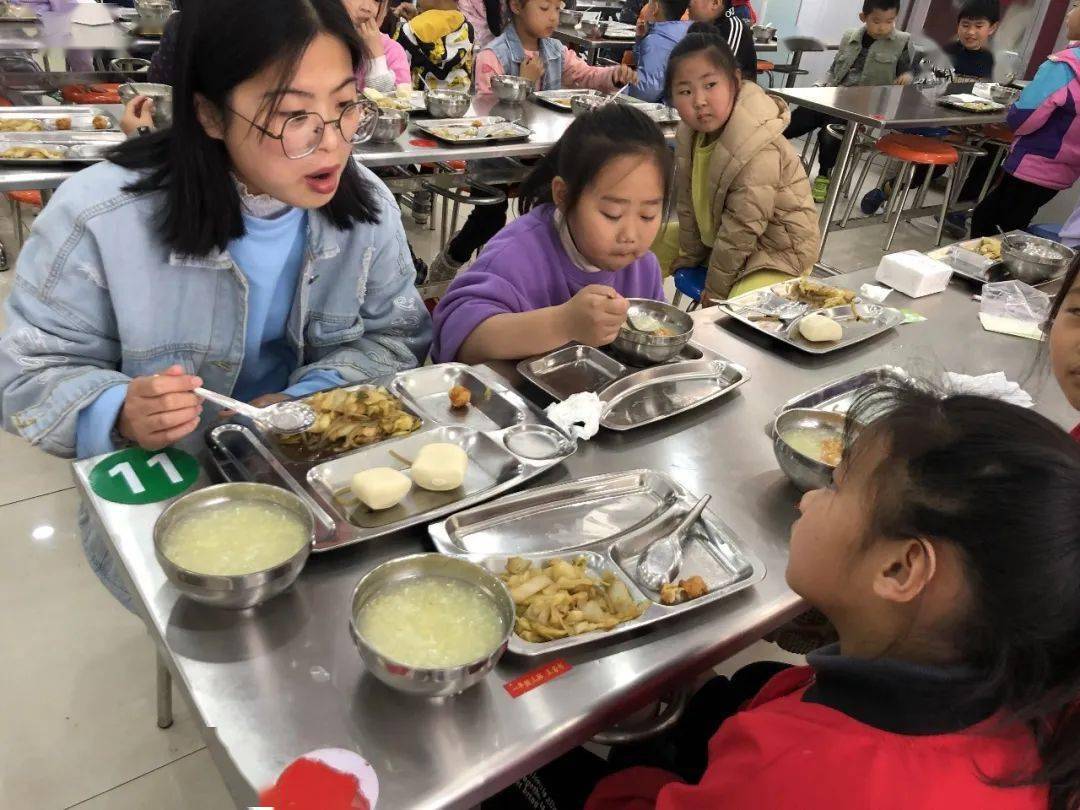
[(26, 197), (918, 149), (91, 94), (764, 65)]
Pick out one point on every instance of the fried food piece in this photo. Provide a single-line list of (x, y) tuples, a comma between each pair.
[(63, 124), (30, 153), (832, 451), (99, 122), (460, 397), (21, 125), (562, 599), (684, 591), (990, 248), (818, 295)]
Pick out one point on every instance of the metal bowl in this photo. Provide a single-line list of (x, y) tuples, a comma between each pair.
[(447, 103), (763, 33), (160, 94), (511, 89), (390, 125), (430, 682), (594, 29), (1004, 95), (244, 590), (586, 102), (805, 472), (643, 348), (1034, 269), (569, 17), (130, 64)]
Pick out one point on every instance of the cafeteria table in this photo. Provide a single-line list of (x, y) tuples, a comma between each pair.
[(274, 682), (56, 30), (891, 107)]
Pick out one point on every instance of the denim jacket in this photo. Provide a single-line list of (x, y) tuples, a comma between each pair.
[(511, 53), (98, 299)]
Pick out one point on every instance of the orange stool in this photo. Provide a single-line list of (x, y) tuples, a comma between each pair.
[(17, 199), (912, 151), (766, 67)]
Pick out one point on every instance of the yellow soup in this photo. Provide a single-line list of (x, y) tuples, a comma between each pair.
[(236, 538), (820, 444), (431, 622)]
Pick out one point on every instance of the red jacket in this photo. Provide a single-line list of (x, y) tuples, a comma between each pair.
[(784, 753)]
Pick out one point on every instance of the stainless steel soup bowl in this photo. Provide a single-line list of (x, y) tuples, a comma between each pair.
[(417, 680), (511, 89), (805, 472), (242, 590), (447, 103), (642, 348)]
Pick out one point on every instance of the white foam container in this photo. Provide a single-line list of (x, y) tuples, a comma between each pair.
[(913, 273)]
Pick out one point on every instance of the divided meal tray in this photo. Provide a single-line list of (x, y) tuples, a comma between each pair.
[(633, 397), (861, 321), (839, 395), (507, 440), (975, 270), (610, 519), (82, 118), (969, 102), (70, 147), (473, 131)]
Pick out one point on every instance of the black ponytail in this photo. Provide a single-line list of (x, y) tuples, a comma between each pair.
[(589, 143), (494, 14), (1002, 484)]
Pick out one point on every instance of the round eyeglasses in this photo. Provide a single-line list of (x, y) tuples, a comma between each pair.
[(301, 134)]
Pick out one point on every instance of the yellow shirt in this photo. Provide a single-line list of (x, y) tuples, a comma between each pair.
[(700, 191)]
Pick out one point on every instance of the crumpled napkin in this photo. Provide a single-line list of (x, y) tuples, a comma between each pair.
[(994, 385), (578, 414)]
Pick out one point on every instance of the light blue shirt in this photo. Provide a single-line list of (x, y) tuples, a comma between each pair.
[(270, 255)]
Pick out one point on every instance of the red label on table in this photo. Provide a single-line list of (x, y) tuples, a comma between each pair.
[(538, 677), (423, 142)]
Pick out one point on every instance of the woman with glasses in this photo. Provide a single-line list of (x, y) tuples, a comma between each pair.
[(242, 249)]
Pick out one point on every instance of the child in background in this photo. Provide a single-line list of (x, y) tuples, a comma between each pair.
[(732, 29), (744, 11), (386, 65), (875, 54), (562, 272), (486, 17), (744, 201), (651, 52), (439, 43), (1045, 154), (972, 59), (1065, 338), (955, 679), (526, 48)]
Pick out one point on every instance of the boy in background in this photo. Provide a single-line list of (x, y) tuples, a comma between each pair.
[(651, 51), (874, 54), (733, 29)]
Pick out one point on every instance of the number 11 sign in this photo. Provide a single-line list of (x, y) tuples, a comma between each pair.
[(136, 476)]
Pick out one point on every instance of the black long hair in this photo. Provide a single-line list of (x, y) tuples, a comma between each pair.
[(1002, 484), (589, 143), (220, 44), (493, 12), (704, 38)]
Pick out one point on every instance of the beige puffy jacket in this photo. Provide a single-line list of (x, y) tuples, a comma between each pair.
[(762, 212)]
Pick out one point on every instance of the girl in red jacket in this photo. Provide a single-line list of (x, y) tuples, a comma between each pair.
[(947, 555), (1065, 339)]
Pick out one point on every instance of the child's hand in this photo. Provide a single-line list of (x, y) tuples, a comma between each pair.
[(594, 315), (371, 36), (160, 410), (137, 113), (904, 78), (532, 69), (622, 75), (406, 11)]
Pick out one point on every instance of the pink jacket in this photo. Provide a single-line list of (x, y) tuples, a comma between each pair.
[(476, 14), (397, 63), (577, 73)]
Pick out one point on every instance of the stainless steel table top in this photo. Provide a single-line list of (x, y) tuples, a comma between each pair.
[(575, 36), (55, 30), (283, 679), (885, 106)]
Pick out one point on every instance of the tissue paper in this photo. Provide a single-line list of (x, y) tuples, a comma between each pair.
[(578, 415), (995, 385)]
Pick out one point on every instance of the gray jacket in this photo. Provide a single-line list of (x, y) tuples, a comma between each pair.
[(882, 58)]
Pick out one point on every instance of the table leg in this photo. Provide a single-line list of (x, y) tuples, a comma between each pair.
[(796, 61), (164, 694), (838, 172)]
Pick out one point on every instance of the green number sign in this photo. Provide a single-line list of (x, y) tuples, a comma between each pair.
[(136, 476)]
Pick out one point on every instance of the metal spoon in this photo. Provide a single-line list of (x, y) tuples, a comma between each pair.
[(661, 560), (281, 417)]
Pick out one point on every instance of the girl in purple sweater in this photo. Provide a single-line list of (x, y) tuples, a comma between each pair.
[(562, 272)]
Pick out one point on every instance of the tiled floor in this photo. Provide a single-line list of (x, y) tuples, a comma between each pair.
[(77, 688)]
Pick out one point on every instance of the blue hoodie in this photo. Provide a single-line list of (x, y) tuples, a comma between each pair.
[(652, 54)]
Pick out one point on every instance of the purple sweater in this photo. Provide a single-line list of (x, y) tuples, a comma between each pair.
[(524, 268)]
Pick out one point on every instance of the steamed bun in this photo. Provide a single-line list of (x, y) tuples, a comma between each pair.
[(819, 328), (380, 487)]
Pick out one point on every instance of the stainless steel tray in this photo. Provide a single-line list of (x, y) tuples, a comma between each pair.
[(660, 113), (611, 519), (966, 271), (560, 99), (472, 131), (81, 116), (872, 320), (500, 439), (70, 147), (20, 14), (636, 397), (837, 396), (134, 28)]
